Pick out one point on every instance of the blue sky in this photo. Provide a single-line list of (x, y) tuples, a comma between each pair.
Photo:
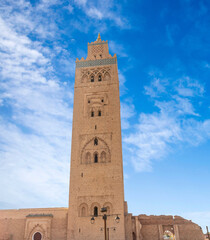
[(163, 50)]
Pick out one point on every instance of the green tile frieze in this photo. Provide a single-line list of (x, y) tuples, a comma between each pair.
[(97, 62)]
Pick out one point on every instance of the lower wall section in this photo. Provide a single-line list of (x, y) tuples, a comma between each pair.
[(23, 223), (52, 224), (145, 227)]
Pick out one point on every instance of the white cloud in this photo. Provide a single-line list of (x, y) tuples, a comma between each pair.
[(176, 122), (127, 111), (94, 13), (100, 11), (117, 48), (36, 116)]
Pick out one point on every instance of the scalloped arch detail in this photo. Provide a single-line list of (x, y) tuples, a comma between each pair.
[(37, 228), (92, 139)]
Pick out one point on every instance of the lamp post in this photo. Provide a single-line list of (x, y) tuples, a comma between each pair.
[(207, 232), (104, 217)]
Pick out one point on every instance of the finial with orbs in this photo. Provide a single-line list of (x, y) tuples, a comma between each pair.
[(99, 37)]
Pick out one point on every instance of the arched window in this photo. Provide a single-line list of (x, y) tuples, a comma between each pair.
[(95, 211), (95, 157), (37, 236), (84, 79), (92, 113), (103, 156), (168, 235), (106, 77), (108, 210), (108, 207), (134, 236), (88, 157), (92, 78), (83, 212), (99, 113), (99, 78), (95, 141)]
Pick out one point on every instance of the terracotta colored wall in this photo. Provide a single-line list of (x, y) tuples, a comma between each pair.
[(13, 223)]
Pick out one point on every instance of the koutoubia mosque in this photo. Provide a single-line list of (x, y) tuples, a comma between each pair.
[(97, 209)]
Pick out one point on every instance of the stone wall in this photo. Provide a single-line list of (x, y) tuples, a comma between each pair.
[(21, 224), (155, 227)]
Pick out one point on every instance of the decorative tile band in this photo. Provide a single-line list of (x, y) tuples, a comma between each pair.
[(98, 62), (91, 44), (40, 215)]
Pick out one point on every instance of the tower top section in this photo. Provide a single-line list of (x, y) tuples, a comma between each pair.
[(98, 54)]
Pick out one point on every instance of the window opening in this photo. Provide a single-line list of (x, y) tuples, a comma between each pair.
[(102, 100), (95, 158), (99, 78), (103, 157), (95, 141), (168, 235), (83, 212), (99, 113), (95, 213), (95, 127), (88, 101), (92, 79), (37, 236), (92, 114), (88, 158)]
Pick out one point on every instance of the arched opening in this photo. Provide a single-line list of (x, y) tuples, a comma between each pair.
[(92, 78), (95, 157), (95, 141), (92, 114), (83, 212), (168, 235), (103, 157), (95, 211), (134, 236), (99, 78), (106, 77), (88, 157), (84, 79), (37, 236), (99, 113)]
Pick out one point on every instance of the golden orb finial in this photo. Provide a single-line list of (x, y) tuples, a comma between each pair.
[(99, 37)]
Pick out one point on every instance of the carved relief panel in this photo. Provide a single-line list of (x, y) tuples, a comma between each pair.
[(96, 105), (97, 74), (95, 149), (38, 225), (87, 205)]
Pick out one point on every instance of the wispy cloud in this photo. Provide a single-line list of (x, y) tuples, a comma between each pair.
[(36, 114), (127, 112), (110, 11), (176, 121), (118, 49)]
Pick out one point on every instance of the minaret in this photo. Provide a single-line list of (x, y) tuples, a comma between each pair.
[(96, 176)]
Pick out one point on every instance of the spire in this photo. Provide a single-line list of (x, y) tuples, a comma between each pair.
[(99, 38)]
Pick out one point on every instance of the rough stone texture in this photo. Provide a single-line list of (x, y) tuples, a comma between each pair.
[(154, 227), (15, 225), (96, 184), (95, 181)]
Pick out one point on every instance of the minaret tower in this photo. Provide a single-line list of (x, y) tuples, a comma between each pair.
[(96, 177)]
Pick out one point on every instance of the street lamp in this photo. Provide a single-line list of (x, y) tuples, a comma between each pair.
[(92, 220), (104, 217), (117, 219)]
